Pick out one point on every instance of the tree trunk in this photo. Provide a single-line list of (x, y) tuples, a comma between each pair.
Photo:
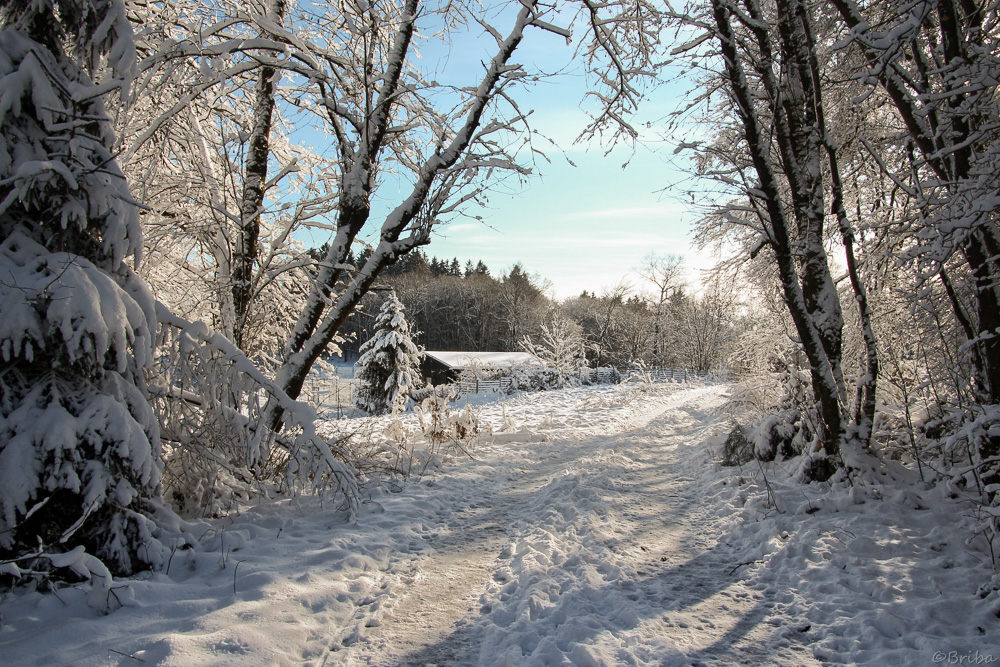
[(945, 133), (818, 349), (252, 201), (326, 313)]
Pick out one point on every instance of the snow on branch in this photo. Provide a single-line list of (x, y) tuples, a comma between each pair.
[(211, 399), (623, 38)]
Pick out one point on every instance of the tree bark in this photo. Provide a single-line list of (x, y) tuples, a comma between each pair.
[(252, 201)]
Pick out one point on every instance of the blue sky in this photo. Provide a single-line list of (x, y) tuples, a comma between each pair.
[(588, 226), (582, 227)]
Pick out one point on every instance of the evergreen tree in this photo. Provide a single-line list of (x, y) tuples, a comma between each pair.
[(80, 462), (390, 361)]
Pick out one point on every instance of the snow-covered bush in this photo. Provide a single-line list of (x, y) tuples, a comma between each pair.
[(389, 365), (560, 347), (440, 425), (777, 435), (780, 434), (446, 391), (79, 445), (737, 448), (524, 378), (213, 405), (970, 469)]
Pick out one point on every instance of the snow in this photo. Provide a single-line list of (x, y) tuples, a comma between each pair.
[(483, 359), (595, 527)]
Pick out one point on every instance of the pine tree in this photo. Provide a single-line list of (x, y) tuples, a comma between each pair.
[(80, 462), (388, 368)]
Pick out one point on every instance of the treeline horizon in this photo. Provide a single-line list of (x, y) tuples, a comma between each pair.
[(456, 306)]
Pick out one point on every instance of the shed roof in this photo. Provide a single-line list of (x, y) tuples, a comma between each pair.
[(461, 360)]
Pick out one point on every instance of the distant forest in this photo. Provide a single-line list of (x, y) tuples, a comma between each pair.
[(462, 306)]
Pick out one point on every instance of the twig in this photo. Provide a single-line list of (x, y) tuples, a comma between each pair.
[(235, 570), (770, 490), (127, 655), (173, 550), (749, 562)]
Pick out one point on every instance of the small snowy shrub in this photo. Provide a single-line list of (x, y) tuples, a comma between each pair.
[(440, 425), (388, 369), (428, 390), (737, 449), (778, 434), (538, 379)]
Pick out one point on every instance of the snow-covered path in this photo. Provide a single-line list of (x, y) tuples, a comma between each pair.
[(595, 528), (578, 537), (589, 548)]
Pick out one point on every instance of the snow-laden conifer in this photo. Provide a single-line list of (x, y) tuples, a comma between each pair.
[(388, 369), (79, 445)]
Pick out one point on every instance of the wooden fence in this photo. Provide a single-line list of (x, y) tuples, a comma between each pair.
[(671, 374), (475, 386)]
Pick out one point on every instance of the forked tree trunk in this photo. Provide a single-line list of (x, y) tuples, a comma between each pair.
[(806, 314), (337, 292)]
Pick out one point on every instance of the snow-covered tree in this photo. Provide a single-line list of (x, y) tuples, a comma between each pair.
[(225, 189), (389, 366), (663, 272), (775, 134), (934, 63), (452, 149), (560, 345), (79, 445)]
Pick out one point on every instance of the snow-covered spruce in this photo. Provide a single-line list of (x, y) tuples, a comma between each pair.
[(389, 363), (79, 445)]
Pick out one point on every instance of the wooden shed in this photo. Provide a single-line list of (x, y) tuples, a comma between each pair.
[(447, 367)]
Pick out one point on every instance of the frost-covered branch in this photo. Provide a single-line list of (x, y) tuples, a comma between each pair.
[(211, 402)]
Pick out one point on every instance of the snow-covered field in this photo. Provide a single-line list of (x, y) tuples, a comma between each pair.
[(599, 531)]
